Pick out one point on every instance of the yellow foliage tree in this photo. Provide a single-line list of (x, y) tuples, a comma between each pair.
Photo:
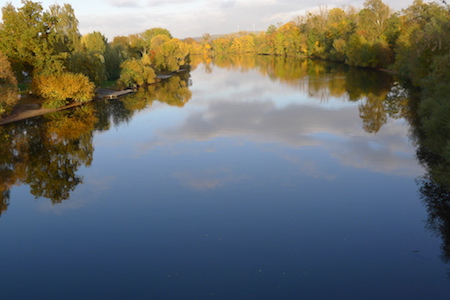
[(59, 89), (171, 55)]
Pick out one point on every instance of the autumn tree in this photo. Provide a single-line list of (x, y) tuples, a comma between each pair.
[(149, 34), (158, 40), (424, 37), (61, 88), (8, 86), (94, 42), (221, 45), (243, 44), (170, 56)]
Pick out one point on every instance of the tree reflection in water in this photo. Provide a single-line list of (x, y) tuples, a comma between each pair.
[(433, 152), (46, 153)]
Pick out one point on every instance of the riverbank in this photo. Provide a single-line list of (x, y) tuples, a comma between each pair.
[(26, 111), (30, 107)]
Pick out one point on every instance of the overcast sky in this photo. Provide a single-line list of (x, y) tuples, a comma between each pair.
[(192, 18)]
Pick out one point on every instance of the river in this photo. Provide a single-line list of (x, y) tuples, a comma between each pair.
[(246, 178)]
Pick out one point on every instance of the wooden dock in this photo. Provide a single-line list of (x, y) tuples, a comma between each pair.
[(164, 76), (111, 94)]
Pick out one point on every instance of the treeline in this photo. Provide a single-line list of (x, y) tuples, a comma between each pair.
[(415, 41), (45, 48)]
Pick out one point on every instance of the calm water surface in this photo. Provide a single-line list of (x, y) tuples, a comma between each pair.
[(249, 182)]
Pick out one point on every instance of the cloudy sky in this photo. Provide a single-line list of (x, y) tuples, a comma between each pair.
[(192, 18)]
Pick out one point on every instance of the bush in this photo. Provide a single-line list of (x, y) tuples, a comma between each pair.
[(60, 89)]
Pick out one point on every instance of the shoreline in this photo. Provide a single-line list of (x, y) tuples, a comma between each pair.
[(23, 112), (31, 109)]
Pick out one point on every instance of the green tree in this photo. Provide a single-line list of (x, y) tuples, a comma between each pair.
[(66, 31), (88, 63), (115, 55), (373, 19), (136, 72), (28, 39)]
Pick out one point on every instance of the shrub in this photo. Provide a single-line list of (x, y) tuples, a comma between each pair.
[(62, 88)]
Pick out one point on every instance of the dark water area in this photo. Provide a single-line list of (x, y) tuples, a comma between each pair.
[(246, 178)]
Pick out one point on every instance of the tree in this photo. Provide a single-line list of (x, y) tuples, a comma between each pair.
[(66, 29), (90, 60), (135, 72), (221, 45), (59, 89), (115, 55), (8, 86), (424, 36), (94, 42), (90, 64), (243, 44), (149, 34), (28, 39), (158, 40), (170, 56), (374, 19)]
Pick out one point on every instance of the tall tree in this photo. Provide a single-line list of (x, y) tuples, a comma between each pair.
[(27, 37), (66, 29), (94, 42), (374, 19)]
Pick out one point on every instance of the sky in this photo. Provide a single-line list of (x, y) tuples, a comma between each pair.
[(192, 18)]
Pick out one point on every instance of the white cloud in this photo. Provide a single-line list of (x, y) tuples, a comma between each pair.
[(124, 3), (184, 18)]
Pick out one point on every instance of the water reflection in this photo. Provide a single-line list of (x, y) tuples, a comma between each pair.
[(45, 153), (307, 117), (434, 186)]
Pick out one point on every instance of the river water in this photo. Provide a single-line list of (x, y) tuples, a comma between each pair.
[(242, 179)]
